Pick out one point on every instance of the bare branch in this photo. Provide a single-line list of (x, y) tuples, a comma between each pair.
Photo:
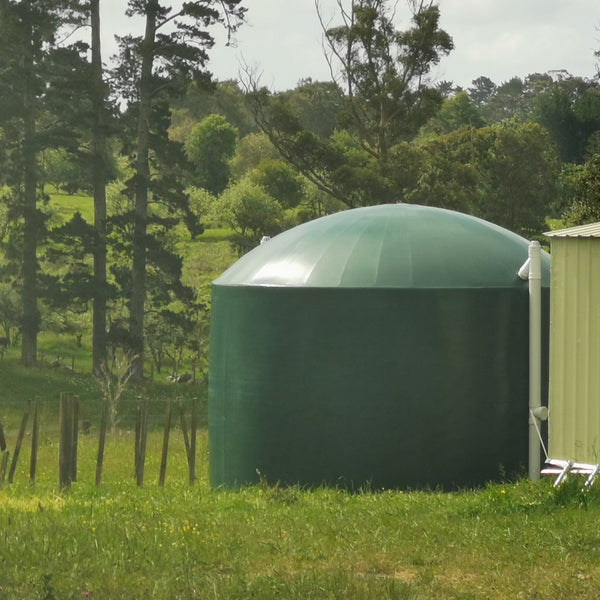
[(113, 382)]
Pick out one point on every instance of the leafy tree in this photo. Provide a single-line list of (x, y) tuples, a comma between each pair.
[(251, 212), (570, 111), (481, 91), (383, 70), (175, 335), (508, 100), (209, 147), (316, 204), (280, 181), (206, 97), (338, 166), (506, 173), (448, 173), (383, 73), (78, 154), (585, 191), (317, 105), (201, 203), (250, 151), (520, 175), (358, 176), (163, 262), (67, 323), (315, 158), (553, 110), (69, 248), (60, 170), (447, 89), (456, 112)]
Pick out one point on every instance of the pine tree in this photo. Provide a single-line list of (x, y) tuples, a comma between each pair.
[(152, 69), (30, 60)]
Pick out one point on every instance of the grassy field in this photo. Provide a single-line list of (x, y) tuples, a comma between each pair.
[(183, 542), (518, 540), (66, 205)]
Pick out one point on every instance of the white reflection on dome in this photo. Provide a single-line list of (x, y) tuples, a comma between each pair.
[(283, 272)]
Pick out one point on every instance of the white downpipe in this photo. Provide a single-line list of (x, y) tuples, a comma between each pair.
[(535, 359)]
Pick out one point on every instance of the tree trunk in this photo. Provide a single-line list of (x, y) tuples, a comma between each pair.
[(3, 13), (31, 318), (99, 182), (138, 274)]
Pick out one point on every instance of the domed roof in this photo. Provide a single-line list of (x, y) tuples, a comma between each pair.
[(388, 246)]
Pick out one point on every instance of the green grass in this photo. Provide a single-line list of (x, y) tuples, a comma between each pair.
[(183, 542), (217, 234), (66, 205)]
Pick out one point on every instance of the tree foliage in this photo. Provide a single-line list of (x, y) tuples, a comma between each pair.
[(38, 106), (203, 98), (456, 112), (585, 194), (172, 51), (317, 105), (381, 73), (250, 151), (571, 115), (280, 181), (521, 176), (384, 70), (177, 151), (209, 146), (251, 212)]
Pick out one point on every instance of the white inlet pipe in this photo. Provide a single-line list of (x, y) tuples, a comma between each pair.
[(535, 358)]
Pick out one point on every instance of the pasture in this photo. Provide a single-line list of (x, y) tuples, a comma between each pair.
[(182, 541)]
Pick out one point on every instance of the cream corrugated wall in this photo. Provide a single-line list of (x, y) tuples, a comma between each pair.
[(574, 426)]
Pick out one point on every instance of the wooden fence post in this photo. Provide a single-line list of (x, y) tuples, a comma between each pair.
[(34, 441), (138, 433), (165, 447), (2, 439), (13, 464), (141, 434), (101, 441), (194, 429), (3, 466), (184, 430), (65, 452), (4, 455), (75, 438)]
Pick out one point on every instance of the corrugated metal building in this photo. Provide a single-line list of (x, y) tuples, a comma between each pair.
[(574, 424)]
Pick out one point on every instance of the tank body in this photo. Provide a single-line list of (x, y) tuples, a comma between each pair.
[(384, 347)]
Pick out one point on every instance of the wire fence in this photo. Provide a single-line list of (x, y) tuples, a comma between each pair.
[(70, 425)]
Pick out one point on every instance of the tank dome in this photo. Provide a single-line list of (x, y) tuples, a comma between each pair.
[(383, 346), (387, 246)]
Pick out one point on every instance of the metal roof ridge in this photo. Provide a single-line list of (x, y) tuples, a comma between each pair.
[(587, 230)]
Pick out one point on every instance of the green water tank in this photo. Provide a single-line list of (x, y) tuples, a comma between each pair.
[(384, 346)]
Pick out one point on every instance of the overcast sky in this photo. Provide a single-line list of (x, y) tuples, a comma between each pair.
[(496, 38)]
